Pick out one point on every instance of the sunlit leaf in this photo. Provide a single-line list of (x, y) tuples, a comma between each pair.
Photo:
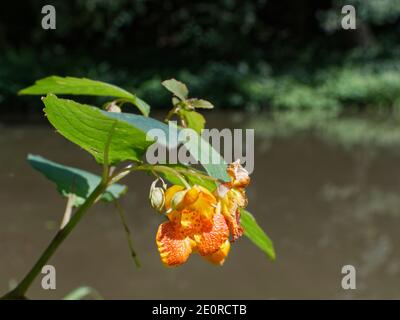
[(175, 101), (147, 124), (254, 232), (210, 159), (71, 180), (90, 128), (199, 148), (193, 119), (83, 292), (200, 104), (193, 176), (178, 88), (83, 86)]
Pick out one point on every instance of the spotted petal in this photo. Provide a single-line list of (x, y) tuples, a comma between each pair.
[(213, 236), (219, 256), (173, 245), (230, 204)]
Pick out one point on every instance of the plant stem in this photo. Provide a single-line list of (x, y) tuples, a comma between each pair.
[(176, 171), (122, 217), (23, 286)]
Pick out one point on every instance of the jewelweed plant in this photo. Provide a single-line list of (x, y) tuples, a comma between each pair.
[(203, 209)]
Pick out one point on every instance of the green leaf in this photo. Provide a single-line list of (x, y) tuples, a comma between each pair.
[(83, 292), (175, 101), (199, 148), (178, 88), (83, 86), (146, 124), (210, 159), (193, 119), (193, 176), (200, 104), (253, 231), (71, 180), (90, 128)]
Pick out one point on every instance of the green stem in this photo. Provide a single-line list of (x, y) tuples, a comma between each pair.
[(176, 171), (23, 286)]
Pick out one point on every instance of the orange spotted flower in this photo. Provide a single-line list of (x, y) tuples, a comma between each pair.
[(233, 197), (200, 221)]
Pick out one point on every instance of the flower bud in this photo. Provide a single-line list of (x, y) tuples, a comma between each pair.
[(113, 107), (156, 196), (177, 199)]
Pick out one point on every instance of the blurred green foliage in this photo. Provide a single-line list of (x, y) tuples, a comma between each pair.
[(286, 55)]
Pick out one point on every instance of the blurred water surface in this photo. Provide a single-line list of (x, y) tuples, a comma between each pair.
[(324, 206)]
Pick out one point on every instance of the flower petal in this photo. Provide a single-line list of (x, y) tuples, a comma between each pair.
[(174, 247), (192, 222), (212, 236), (169, 193), (230, 204), (219, 256), (239, 175), (191, 196), (205, 203)]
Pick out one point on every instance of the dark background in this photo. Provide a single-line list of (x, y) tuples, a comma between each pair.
[(240, 54)]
